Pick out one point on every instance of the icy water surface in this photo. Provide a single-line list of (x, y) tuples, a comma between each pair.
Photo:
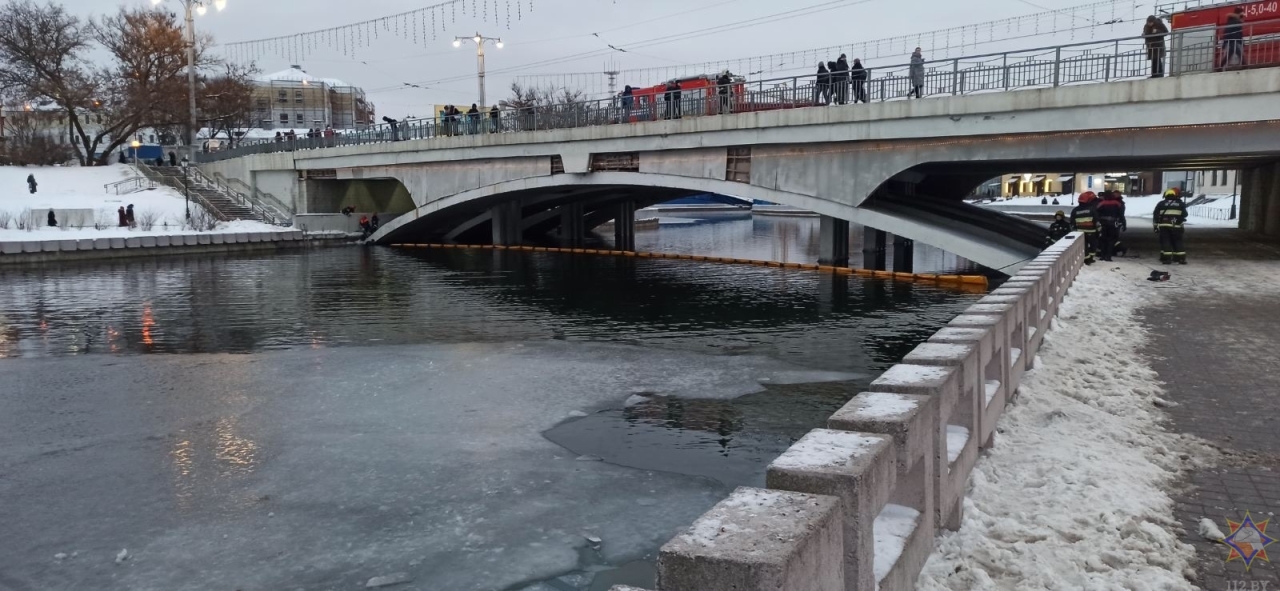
[(477, 420)]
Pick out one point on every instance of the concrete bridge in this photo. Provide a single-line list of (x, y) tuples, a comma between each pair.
[(900, 167)]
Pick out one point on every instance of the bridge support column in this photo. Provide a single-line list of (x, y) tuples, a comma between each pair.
[(904, 250), (1271, 174), (572, 226), (833, 241), (873, 249), (506, 223), (624, 226)]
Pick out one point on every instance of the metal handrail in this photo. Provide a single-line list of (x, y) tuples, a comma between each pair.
[(136, 184), (177, 184), (242, 199), (1044, 67), (267, 200)]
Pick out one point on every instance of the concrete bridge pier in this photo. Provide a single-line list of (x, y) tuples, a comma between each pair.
[(1260, 200), (833, 241), (624, 226), (506, 223), (903, 254), (873, 249), (572, 226)]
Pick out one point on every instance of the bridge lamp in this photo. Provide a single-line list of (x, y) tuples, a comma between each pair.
[(479, 40), (193, 7)]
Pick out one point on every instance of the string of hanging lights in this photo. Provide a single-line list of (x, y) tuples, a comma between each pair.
[(420, 26)]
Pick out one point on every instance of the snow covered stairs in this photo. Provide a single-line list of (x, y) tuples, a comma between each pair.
[(856, 506)]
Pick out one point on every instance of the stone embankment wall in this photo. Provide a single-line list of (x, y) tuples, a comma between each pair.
[(856, 506), (85, 249)]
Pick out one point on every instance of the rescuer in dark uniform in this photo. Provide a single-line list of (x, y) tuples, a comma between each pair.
[(1059, 228), (1082, 219), (1110, 221), (1168, 218)]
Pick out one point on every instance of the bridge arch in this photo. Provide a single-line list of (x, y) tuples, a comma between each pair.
[(981, 246)]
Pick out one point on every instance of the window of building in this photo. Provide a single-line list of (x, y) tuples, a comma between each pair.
[(284, 118), (282, 96), (262, 102), (298, 118), (1215, 178), (297, 96)]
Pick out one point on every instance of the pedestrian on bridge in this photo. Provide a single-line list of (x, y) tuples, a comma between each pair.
[(1153, 33), (1110, 220), (858, 75), (1232, 36), (1082, 220), (916, 73), (840, 80), (1168, 217), (822, 85), (723, 85)]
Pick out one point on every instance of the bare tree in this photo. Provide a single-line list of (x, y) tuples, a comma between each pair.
[(226, 101), (42, 57), (31, 140), (532, 96)]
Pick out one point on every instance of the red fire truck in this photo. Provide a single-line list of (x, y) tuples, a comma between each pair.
[(1202, 25), (699, 95)]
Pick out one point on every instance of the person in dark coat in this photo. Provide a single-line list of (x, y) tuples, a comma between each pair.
[(723, 84), (1110, 219), (1154, 32), (31, 183), (858, 75), (373, 223), (128, 216), (364, 227), (495, 119), (840, 80), (53, 219), (1232, 36), (122, 221), (473, 119), (822, 86), (1059, 228), (173, 159)]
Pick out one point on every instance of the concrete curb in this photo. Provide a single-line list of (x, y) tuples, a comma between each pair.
[(85, 249)]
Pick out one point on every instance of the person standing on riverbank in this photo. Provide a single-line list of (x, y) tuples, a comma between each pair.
[(31, 183)]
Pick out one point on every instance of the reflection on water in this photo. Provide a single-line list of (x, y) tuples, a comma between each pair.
[(788, 239), (363, 299)]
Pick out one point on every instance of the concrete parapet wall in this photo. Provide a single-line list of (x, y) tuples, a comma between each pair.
[(38, 252), (865, 495)]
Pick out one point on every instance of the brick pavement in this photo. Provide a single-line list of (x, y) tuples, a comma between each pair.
[(1218, 352)]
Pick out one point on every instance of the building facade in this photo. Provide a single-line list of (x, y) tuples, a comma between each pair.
[(294, 99), (1064, 183), (1204, 182)]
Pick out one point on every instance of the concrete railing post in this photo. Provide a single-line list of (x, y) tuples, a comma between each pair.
[(759, 540), (857, 468), (943, 384), (904, 528)]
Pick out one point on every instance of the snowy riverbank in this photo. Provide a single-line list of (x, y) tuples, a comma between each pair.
[(1074, 494), (68, 188)]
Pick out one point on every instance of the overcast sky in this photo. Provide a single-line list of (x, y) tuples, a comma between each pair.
[(563, 28)]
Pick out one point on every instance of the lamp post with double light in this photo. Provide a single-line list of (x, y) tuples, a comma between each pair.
[(186, 186), (479, 40), (197, 7)]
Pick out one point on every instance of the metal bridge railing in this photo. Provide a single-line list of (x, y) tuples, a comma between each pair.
[(1186, 51)]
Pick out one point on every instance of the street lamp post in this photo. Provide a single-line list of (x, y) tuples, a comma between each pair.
[(199, 7), (186, 186), (479, 40)]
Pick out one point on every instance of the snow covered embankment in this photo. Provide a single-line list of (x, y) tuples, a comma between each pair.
[(1072, 496)]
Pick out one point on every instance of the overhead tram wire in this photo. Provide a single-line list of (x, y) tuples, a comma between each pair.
[(746, 23), (970, 35)]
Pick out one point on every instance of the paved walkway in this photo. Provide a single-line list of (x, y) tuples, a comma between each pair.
[(1216, 345)]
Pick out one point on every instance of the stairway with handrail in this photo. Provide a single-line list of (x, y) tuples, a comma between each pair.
[(222, 201)]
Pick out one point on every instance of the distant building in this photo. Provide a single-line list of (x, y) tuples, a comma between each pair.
[(1062, 183), (1203, 182), (294, 99)]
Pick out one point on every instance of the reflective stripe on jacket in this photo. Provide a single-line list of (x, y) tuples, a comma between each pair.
[(1169, 213)]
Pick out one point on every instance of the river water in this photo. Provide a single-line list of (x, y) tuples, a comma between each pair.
[(474, 419)]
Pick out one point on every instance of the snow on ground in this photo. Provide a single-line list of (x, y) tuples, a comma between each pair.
[(1073, 494), (75, 187)]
